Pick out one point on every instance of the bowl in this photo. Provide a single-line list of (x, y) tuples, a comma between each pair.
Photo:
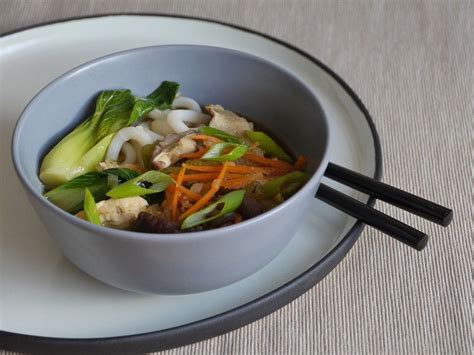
[(184, 262)]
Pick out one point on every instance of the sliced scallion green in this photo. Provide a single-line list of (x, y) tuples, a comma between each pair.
[(226, 204), (90, 208), (286, 184), (268, 145), (210, 131), (159, 182), (216, 153)]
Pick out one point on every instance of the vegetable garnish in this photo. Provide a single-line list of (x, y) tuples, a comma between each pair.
[(82, 149), (242, 169), (268, 145), (240, 182), (70, 196), (174, 203), (210, 131), (195, 155), (123, 174), (275, 163), (285, 184), (215, 186), (159, 182), (220, 152), (90, 208), (300, 163), (112, 181), (226, 204), (162, 99), (207, 176), (200, 177)]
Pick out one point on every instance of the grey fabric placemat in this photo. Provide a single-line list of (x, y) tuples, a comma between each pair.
[(411, 63)]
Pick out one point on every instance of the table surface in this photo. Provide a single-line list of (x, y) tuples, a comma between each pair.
[(411, 64)]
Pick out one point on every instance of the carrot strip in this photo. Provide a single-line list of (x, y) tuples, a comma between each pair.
[(168, 195), (206, 177), (242, 169), (195, 155), (176, 193), (267, 162), (204, 168), (200, 177), (203, 137), (192, 195), (216, 184), (300, 163)]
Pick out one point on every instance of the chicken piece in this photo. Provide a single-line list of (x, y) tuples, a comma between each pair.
[(228, 121), (104, 165), (120, 213), (169, 140), (164, 157)]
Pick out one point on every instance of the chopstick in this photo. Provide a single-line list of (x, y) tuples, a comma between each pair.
[(402, 199), (398, 230)]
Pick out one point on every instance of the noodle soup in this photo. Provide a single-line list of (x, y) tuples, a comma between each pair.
[(164, 164)]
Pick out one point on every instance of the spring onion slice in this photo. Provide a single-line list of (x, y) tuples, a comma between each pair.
[(286, 184), (90, 208), (268, 145), (210, 131), (217, 150), (226, 204), (159, 182), (70, 196)]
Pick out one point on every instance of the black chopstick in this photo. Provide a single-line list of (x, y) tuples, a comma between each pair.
[(402, 199), (399, 230)]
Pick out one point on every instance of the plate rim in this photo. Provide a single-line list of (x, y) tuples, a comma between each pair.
[(229, 320)]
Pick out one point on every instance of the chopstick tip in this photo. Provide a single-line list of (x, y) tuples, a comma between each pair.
[(421, 244), (447, 219)]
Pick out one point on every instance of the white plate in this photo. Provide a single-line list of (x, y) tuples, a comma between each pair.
[(41, 292)]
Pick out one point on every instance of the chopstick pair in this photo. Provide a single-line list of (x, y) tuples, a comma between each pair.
[(402, 199)]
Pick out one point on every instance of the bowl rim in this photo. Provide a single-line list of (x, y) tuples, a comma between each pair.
[(161, 237)]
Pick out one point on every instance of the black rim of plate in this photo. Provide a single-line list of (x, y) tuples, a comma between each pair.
[(229, 320)]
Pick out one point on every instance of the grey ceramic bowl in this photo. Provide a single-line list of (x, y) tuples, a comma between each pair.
[(188, 262)]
